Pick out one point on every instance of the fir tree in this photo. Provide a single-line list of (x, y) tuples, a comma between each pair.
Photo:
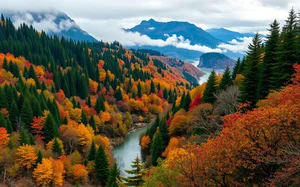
[(152, 87), (249, 85), (84, 119), (235, 69), (211, 88), (139, 87), (287, 52), (92, 152), (151, 131), (23, 139), (9, 127), (56, 148), (40, 157), (186, 102), (26, 114), (137, 173), (267, 75), (114, 175), (226, 80), (118, 95), (50, 128), (157, 147), (164, 131), (93, 123), (101, 166)]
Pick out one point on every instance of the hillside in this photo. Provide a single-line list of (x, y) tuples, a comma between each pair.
[(227, 35), (53, 22), (215, 61)]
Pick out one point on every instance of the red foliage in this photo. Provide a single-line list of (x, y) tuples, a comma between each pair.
[(197, 101)]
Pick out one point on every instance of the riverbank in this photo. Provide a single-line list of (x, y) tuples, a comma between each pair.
[(115, 142)]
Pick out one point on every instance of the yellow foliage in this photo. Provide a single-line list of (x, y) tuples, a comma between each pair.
[(25, 156), (43, 173), (75, 114)]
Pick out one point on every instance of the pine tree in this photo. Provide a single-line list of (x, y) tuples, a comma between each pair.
[(287, 52), (93, 123), (151, 131), (139, 87), (2, 120), (137, 173), (152, 87), (100, 106), (23, 139), (114, 175), (40, 157), (84, 119), (9, 127), (226, 80), (92, 152), (101, 166), (26, 114), (267, 75), (118, 95), (56, 148), (235, 69), (186, 102), (50, 129), (249, 87), (211, 88), (164, 131), (157, 147)]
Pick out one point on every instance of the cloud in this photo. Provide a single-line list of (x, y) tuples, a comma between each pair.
[(237, 46), (46, 23)]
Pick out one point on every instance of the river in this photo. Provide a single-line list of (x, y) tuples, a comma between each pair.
[(207, 72), (127, 151)]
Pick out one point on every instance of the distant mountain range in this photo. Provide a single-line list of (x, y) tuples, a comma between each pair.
[(210, 38), (52, 22)]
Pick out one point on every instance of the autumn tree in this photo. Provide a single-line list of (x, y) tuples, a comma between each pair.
[(26, 156)]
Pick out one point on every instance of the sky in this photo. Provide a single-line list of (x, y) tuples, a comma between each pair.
[(105, 19)]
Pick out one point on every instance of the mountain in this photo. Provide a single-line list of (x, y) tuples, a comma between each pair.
[(53, 22), (162, 30), (227, 35), (216, 61)]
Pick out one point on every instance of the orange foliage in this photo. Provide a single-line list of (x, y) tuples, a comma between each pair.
[(105, 117), (4, 136), (60, 96), (25, 156), (37, 128), (80, 173), (93, 86), (145, 142)]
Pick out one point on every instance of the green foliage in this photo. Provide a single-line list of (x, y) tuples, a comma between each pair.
[(118, 95), (92, 152), (249, 87), (101, 166), (226, 80), (50, 129), (136, 174), (157, 147), (23, 139), (211, 88), (40, 157), (114, 175), (26, 114), (56, 148)]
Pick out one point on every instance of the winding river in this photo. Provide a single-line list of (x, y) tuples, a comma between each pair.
[(127, 151)]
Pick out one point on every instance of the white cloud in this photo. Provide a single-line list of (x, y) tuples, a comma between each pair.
[(151, 28), (237, 46)]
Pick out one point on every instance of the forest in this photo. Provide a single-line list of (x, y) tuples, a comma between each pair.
[(64, 103)]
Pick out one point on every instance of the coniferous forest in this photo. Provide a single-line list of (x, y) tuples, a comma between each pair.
[(65, 104)]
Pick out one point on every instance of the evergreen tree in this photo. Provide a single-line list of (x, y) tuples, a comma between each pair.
[(164, 131), (235, 69), (137, 173), (27, 114), (93, 123), (152, 87), (56, 148), (226, 80), (23, 138), (101, 166), (84, 119), (118, 95), (92, 152), (249, 87), (114, 175), (287, 52), (267, 75), (50, 128), (40, 157), (31, 139), (139, 87), (9, 127), (100, 106), (157, 147), (186, 102), (151, 131), (211, 88), (2, 120)]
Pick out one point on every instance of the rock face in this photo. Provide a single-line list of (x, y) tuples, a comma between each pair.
[(215, 61)]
